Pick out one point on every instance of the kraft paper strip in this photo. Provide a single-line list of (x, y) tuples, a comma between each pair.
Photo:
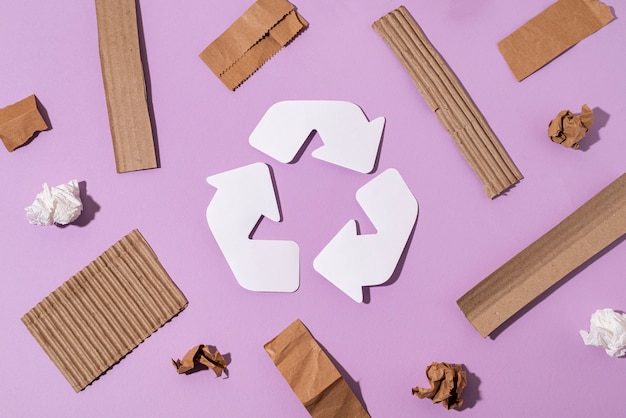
[(104, 311), (258, 34), (580, 236), (124, 85), (311, 374), (448, 99), (550, 33), (19, 122)]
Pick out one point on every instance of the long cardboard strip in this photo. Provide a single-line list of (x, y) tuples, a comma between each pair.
[(258, 34), (580, 236), (448, 99), (550, 33), (19, 122), (312, 375), (104, 311), (124, 85)]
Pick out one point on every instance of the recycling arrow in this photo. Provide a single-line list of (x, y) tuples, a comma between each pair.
[(349, 139), (351, 261), (244, 195)]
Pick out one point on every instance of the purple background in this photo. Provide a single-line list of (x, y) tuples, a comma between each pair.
[(537, 366)]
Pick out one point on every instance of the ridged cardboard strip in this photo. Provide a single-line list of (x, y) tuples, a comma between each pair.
[(104, 311), (448, 99)]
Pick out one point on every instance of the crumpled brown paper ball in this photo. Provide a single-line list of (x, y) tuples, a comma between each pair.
[(568, 129), (446, 383)]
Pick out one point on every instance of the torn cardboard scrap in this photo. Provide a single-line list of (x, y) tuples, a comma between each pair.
[(311, 374), (568, 129), (447, 381), (199, 356), (19, 122), (550, 33), (580, 236), (445, 95), (104, 311), (124, 85), (258, 34)]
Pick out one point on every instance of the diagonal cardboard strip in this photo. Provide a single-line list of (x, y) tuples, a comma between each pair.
[(104, 311), (258, 34), (580, 236), (550, 33), (19, 122), (312, 375), (448, 99), (124, 85)]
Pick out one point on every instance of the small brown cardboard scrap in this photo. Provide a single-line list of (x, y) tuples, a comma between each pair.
[(447, 381), (124, 85), (19, 122), (104, 311), (312, 375), (258, 34), (580, 236), (445, 96), (568, 129), (550, 33), (201, 355)]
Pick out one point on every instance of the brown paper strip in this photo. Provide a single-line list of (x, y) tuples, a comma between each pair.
[(19, 122), (311, 374), (448, 99), (124, 85), (103, 312), (550, 33), (580, 236), (258, 34)]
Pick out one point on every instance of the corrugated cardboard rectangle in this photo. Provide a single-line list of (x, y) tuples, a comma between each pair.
[(445, 95), (19, 122), (580, 236), (103, 312), (124, 85)]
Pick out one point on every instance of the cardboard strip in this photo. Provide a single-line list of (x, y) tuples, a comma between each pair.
[(258, 34), (124, 85), (103, 312), (550, 33), (448, 99), (19, 122), (580, 236), (311, 374)]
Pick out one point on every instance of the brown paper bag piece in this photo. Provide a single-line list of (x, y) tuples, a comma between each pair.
[(19, 122), (124, 85), (448, 99), (550, 33), (580, 236), (258, 34), (103, 312), (201, 355), (311, 374), (446, 384), (568, 129)]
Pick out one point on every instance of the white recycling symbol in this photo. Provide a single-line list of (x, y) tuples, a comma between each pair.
[(246, 194)]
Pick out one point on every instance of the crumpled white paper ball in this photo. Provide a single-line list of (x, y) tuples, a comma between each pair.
[(607, 330), (60, 204)]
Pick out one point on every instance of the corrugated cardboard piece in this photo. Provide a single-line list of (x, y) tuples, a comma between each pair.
[(448, 99), (580, 236), (550, 33), (124, 85), (19, 122), (311, 374), (263, 29), (103, 312)]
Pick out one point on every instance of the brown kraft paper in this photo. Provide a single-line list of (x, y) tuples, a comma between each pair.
[(198, 357), (19, 122), (568, 129)]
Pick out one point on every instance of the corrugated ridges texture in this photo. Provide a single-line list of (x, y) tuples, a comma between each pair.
[(103, 312)]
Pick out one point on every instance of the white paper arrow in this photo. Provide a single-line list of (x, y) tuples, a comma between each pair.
[(351, 261), (244, 195), (349, 139)]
